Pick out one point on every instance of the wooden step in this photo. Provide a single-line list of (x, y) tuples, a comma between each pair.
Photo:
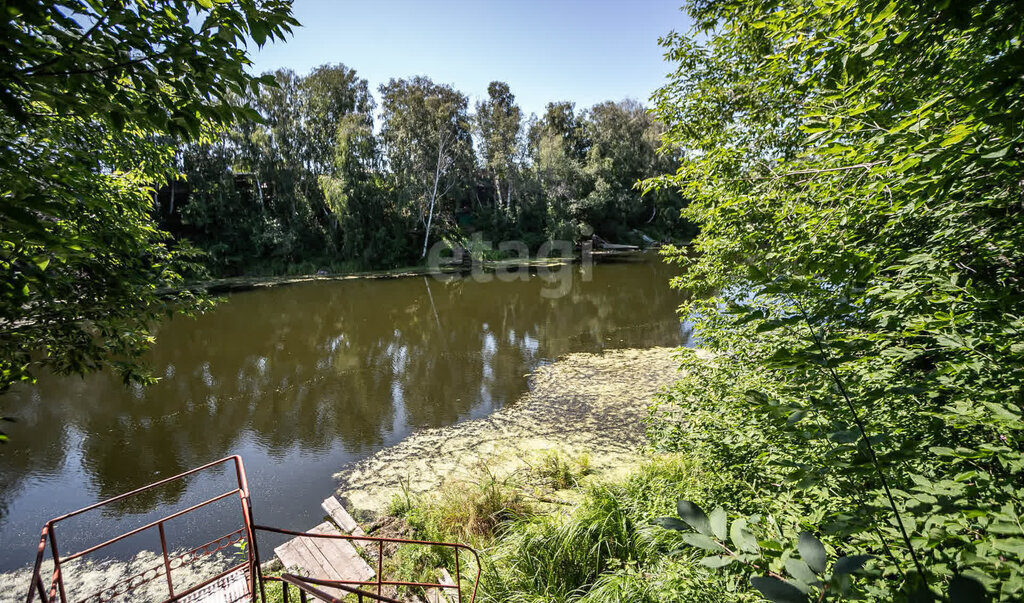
[(324, 558), (337, 512), (442, 595)]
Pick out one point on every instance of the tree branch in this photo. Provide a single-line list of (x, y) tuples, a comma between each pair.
[(71, 47)]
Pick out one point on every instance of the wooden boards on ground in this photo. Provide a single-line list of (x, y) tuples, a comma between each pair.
[(324, 558), (442, 595), (337, 512)]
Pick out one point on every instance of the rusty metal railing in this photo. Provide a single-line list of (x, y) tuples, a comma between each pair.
[(379, 583), (48, 539), (308, 586), (254, 581)]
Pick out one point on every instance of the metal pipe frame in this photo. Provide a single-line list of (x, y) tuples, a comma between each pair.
[(256, 579), (380, 582), (49, 536)]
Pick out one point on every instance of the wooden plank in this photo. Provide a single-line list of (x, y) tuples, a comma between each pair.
[(325, 558), (342, 555), (330, 567), (328, 571), (445, 578), (337, 512), (294, 554), (301, 552), (442, 595)]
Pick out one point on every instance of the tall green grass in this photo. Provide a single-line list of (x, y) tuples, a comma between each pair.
[(602, 549), (606, 549)]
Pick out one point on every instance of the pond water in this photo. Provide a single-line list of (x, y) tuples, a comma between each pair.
[(302, 380)]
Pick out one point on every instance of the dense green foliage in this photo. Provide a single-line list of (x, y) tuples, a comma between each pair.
[(90, 93), (855, 169), (856, 409), (317, 185)]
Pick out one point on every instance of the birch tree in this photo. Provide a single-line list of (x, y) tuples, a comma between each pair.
[(427, 144), (499, 122)]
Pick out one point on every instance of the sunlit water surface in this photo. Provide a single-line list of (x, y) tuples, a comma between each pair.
[(301, 380)]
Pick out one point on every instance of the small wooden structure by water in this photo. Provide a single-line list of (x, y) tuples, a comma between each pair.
[(324, 563), (337, 559), (328, 558)]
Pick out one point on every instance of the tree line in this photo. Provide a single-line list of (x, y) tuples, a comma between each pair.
[(331, 177)]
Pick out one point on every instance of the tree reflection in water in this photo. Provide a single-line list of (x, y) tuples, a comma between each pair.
[(331, 371)]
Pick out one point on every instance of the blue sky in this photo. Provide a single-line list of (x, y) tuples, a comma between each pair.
[(577, 50)]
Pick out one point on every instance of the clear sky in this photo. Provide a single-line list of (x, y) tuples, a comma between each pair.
[(576, 50)]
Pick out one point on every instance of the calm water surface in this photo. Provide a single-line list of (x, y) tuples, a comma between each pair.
[(301, 380)]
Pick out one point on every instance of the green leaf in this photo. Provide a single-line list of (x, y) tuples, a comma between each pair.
[(845, 436), (778, 591), (717, 561), (742, 538), (812, 552), (671, 523), (719, 523), (850, 564), (695, 516), (1004, 412), (799, 570), (997, 154), (964, 589), (756, 397), (117, 119), (702, 541), (259, 34), (960, 132)]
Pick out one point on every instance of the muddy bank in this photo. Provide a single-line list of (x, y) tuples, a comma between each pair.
[(592, 404)]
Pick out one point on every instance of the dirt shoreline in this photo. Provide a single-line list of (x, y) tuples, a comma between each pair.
[(592, 404), (246, 283)]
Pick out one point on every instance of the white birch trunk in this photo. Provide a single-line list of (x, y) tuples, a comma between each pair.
[(433, 194)]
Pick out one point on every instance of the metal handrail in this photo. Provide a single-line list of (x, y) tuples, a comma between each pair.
[(254, 574), (379, 582), (303, 583), (49, 536)]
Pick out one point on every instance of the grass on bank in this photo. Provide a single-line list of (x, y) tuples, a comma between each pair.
[(602, 547)]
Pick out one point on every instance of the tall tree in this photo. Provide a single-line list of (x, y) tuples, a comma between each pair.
[(562, 122), (623, 149), (559, 156), (499, 121), (427, 141), (90, 90), (329, 95)]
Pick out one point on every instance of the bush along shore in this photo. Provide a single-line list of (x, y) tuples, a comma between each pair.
[(856, 430)]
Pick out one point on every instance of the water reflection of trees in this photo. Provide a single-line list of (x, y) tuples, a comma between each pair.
[(309, 366)]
